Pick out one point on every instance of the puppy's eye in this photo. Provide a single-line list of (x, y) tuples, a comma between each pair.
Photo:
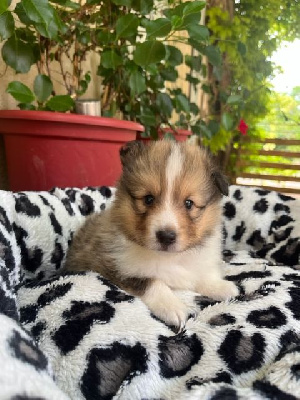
[(149, 199), (188, 204)]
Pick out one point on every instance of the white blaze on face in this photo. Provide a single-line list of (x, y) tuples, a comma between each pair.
[(166, 216)]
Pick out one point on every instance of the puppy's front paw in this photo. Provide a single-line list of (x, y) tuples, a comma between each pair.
[(175, 313), (219, 290), (165, 305)]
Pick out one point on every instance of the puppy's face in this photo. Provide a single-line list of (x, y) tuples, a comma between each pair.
[(168, 198)]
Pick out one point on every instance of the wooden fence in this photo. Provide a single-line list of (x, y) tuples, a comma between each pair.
[(271, 163)]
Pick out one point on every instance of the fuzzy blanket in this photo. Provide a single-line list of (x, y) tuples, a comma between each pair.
[(78, 336)]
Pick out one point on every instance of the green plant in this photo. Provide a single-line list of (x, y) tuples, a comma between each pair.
[(140, 61)]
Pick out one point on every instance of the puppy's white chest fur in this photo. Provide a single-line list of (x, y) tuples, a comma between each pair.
[(181, 270)]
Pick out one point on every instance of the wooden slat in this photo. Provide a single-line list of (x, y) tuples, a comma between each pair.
[(258, 164), (283, 142), (289, 154), (270, 177), (277, 189)]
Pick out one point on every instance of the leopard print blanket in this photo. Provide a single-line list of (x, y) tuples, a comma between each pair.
[(78, 336)]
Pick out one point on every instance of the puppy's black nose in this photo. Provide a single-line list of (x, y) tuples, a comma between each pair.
[(166, 237)]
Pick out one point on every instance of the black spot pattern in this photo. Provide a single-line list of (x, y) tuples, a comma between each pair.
[(56, 225), (256, 240), (71, 193), (221, 377), (26, 351), (294, 304), (289, 253), (239, 232), (4, 220), (229, 210), (105, 191), (249, 275), (290, 342), (102, 207), (46, 202), (116, 296), (282, 207), (280, 222), (203, 301), (37, 330), (57, 255), (54, 293), (242, 352), (8, 305), (271, 391), (262, 192), (86, 205), (238, 195), (271, 318), (67, 204), (28, 313), (6, 253), (222, 319), (107, 368), (283, 197), (261, 206), (31, 257), (24, 205), (282, 235), (177, 354), (225, 393), (80, 319)]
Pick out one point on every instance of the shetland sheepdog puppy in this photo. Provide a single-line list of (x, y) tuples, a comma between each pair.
[(162, 232)]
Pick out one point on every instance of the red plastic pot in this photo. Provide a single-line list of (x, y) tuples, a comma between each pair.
[(46, 149)]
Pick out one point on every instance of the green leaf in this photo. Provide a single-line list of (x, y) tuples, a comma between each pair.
[(169, 74), (42, 88), (182, 103), (198, 32), (213, 126), (4, 4), (160, 27), (26, 106), (193, 7), (18, 55), (242, 49), (7, 25), (227, 121), (148, 118), (137, 83), (126, 26), (43, 14), (234, 99), (194, 62), (110, 59), (19, 10), (60, 103), (169, 136), (149, 52), (193, 80), (164, 103), (173, 55), (213, 54), (146, 6), (20, 92)]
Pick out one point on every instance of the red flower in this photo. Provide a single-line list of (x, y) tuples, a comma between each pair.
[(243, 127)]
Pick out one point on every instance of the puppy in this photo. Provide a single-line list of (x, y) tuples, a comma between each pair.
[(162, 232)]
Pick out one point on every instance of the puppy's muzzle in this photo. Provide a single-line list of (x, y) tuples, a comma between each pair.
[(166, 237)]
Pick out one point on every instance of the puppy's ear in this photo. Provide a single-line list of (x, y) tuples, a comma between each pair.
[(221, 182), (130, 150)]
